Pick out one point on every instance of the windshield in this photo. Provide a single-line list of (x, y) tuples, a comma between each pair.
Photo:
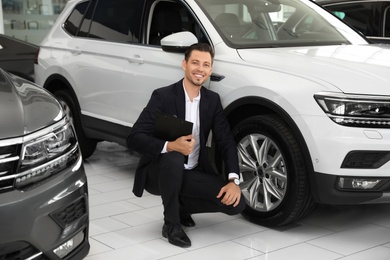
[(276, 23)]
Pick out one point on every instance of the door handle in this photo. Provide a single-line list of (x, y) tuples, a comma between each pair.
[(76, 50), (135, 59)]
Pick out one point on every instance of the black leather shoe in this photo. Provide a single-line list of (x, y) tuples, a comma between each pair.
[(187, 221), (176, 235)]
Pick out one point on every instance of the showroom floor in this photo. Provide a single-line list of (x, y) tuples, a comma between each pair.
[(126, 227)]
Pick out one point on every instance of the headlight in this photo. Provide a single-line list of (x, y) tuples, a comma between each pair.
[(355, 110), (47, 147), (47, 153)]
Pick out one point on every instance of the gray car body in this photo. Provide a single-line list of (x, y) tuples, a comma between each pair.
[(28, 229)]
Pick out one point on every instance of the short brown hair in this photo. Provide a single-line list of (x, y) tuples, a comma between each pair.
[(199, 47)]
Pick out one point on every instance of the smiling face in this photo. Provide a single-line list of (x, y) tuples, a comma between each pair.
[(198, 67)]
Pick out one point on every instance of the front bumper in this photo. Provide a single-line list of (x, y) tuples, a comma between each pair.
[(36, 221), (346, 152), (328, 192)]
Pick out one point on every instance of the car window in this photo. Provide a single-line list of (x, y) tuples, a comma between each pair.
[(73, 22), (357, 15), (111, 20), (387, 22), (87, 20), (264, 23), (171, 17)]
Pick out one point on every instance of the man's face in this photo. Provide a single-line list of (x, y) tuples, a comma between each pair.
[(198, 68)]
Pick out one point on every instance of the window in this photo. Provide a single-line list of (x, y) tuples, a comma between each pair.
[(74, 20), (172, 17), (356, 15), (113, 20), (386, 22)]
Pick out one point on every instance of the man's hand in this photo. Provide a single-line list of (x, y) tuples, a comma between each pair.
[(183, 145), (231, 194)]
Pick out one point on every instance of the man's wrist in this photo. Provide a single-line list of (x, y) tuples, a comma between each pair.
[(235, 181)]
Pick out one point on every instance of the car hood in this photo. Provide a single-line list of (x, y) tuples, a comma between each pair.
[(352, 69), (24, 107)]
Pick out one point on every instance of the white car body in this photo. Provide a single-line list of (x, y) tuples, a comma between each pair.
[(111, 83)]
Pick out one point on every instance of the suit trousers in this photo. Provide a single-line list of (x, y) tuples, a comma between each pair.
[(194, 190)]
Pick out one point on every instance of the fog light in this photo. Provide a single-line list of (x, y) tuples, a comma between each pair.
[(364, 184), (360, 184), (69, 245)]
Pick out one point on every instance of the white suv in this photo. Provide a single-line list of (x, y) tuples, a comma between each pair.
[(307, 98)]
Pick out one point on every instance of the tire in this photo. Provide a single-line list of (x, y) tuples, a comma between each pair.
[(87, 145), (274, 178)]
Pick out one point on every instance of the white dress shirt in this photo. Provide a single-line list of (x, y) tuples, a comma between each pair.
[(192, 115)]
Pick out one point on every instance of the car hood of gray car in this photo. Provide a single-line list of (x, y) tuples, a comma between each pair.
[(353, 69), (25, 107)]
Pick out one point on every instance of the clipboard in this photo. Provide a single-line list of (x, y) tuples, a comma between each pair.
[(169, 128)]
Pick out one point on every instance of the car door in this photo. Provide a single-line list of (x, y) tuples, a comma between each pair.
[(148, 66), (104, 37)]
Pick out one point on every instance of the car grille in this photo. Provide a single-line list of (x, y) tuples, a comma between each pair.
[(20, 251), (9, 158), (67, 215)]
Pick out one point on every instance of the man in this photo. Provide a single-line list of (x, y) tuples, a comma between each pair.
[(187, 185)]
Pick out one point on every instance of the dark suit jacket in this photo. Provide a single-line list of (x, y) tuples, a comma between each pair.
[(170, 100)]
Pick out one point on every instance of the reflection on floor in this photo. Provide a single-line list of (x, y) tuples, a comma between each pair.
[(125, 227)]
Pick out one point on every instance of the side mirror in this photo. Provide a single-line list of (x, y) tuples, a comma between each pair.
[(178, 42)]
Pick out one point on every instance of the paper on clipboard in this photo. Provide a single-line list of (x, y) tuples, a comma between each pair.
[(169, 128)]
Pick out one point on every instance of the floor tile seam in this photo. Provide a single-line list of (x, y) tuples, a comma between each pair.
[(128, 245), (110, 231), (89, 168), (379, 225), (145, 197), (333, 232), (116, 201), (107, 170), (257, 250), (361, 251), (326, 249), (143, 208), (251, 234), (105, 190), (108, 182), (189, 250), (322, 227), (100, 242), (347, 255), (307, 241), (148, 223), (136, 226), (107, 193), (128, 226), (284, 247), (123, 247), (95, 190), (102, 217)]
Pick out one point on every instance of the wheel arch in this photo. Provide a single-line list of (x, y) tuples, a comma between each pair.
[(58, 82), (246, 107)]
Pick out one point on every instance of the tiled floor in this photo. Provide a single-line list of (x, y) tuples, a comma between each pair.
[(123, 226)]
